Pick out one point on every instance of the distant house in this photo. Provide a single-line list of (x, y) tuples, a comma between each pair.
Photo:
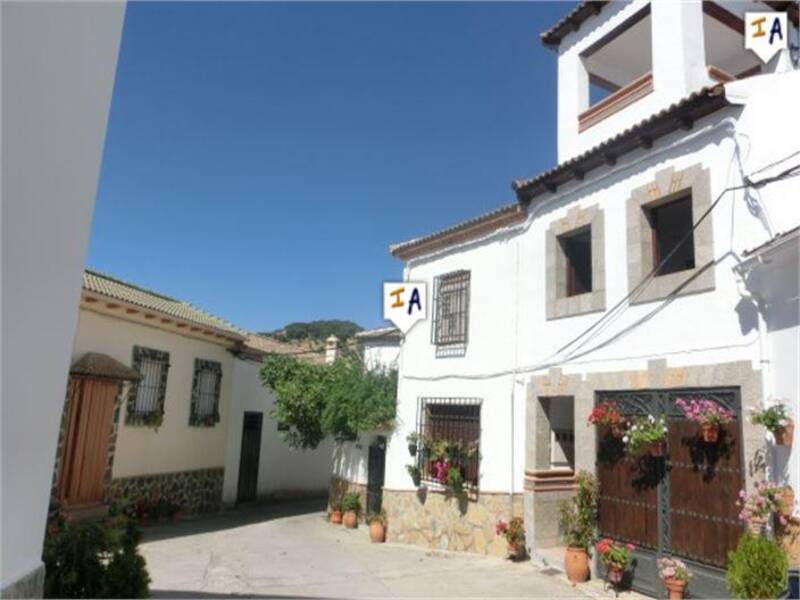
[(358, 465), (164, 400)]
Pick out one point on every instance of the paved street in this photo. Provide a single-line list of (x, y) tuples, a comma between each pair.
[(289, 551)]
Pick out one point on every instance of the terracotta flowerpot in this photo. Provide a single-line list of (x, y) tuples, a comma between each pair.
[(516, 551), (615, 574), (657, 449), (786, 501), (377, 532), (576, 564), (757, 525), (336, 517), (709, 433), (784, 435), (618, 430), (350, 519), (675, 588)]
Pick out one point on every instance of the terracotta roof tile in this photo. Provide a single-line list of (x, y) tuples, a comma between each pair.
[(111, 287)]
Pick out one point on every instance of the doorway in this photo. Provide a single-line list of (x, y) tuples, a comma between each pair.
[(251, 451), (89, 428), (375, 469)]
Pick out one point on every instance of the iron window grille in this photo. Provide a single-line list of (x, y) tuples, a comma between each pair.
[(451, 308), (204, 410), (455, 420), (145, 404)]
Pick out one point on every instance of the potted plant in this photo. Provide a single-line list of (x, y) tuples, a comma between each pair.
[(514, 532), (646, 434), (377, 527), (412, 439), (615, 557), (776, 419), (336, 511), (707, 413), (454, 479), (785, 498), (416, 475), (757, 507), (578, 519), (757, 568), (351, 505), (675, 575), (608, 414)]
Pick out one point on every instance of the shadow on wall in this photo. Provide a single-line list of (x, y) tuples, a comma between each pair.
[(247, 514)]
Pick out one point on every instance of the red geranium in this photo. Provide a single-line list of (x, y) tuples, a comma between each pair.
[(606, 413)]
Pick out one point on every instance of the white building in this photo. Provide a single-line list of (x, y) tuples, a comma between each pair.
[(613, 276), (59, 61), (165, 403)]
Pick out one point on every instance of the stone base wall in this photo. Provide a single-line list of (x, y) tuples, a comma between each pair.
[(29, 586), (436, 520), (198, 491), (339, 487)]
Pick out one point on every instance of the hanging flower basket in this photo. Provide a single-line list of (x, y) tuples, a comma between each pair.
[(709, 432), (647, 435), (777, 420), (784, 435), (608, 414), (710, 415)]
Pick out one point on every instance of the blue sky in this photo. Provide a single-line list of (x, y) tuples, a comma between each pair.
[(260, 158)]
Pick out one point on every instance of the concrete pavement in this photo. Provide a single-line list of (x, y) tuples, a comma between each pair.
[(290, 551)]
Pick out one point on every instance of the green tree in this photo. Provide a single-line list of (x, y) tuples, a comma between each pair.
[(317, 330), (314, 401)]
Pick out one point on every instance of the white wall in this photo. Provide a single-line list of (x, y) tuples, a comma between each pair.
[(175, 445), (58, 66), (508, 331), (381, 354), (282, 470)]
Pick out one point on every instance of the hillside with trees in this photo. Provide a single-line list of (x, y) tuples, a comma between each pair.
[(316, 330)]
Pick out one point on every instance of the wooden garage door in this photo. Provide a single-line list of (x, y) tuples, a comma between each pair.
[(682, 504)]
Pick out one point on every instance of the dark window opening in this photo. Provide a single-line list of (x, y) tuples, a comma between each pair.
[(673, 241), (577, 248)]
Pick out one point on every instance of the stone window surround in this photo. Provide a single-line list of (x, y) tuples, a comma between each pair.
[(558, 304), (669, 185)]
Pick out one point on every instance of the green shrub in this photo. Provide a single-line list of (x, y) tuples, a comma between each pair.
[(757, 568), (94, 560), (351, 502), (578, 515)]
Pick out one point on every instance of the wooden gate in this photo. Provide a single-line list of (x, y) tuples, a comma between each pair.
[(83, 467), (249, 457), (682, 504)]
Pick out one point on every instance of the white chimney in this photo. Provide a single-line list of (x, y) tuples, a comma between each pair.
[(331, 348)]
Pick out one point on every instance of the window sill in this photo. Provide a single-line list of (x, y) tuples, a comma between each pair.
[(451, 350), (613, 103), (580, 304)]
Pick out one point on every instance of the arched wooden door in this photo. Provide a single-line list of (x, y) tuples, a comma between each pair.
[(83, 465)]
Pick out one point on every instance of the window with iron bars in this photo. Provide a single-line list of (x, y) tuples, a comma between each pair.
[(204, 410), (146, 400), (456, 420), (451, 308)]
